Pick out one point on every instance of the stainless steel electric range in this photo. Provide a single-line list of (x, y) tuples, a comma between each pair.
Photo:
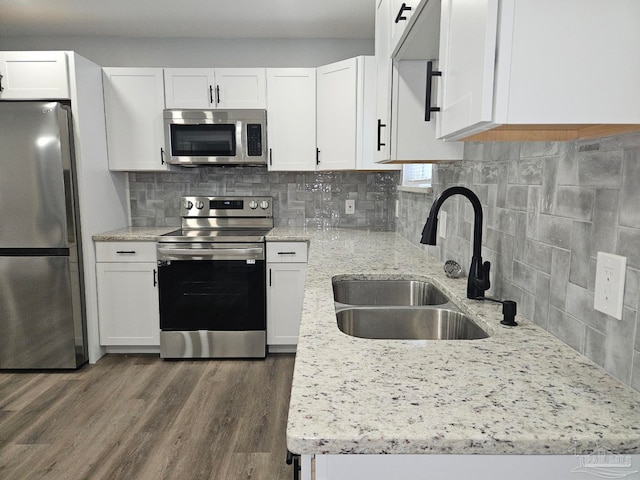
[(212, 279)]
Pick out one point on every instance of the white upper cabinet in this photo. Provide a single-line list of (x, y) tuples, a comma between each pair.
[(413, 138), (382, 146), (241, 87), (337, 103), (33, 76), (189, 88), (402, 133), (531, 69), (346, 104), (134, 100), (468, 41), (400, 15), (291, 119), (215, 88)]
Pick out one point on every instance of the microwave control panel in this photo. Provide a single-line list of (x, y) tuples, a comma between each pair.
[(254, 139)]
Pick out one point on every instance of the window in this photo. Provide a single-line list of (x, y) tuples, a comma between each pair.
[(416, 175)]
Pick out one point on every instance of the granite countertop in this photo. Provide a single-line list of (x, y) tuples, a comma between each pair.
[(149, 234), (520, 391), (133, 234)]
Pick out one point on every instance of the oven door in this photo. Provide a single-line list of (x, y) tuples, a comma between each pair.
[(212, 300), (220, 295)]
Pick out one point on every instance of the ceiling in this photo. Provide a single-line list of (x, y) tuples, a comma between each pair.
[(189, 18)]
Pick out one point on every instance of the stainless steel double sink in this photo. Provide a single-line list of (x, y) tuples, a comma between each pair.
[(399, 309)]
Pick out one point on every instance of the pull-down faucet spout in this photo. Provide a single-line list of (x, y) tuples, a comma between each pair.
[(478, 281)]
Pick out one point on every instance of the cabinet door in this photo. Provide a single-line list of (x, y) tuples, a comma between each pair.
[(189, 87), (134, 100), (241, 87), (128, 304), (33, 76), (413, 138), (337, 115), (382, 150), (285, 293), (468, 36), (400, 14), (291, 118)]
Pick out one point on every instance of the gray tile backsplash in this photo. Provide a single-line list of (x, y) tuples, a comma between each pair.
[(549, 207), (301, 199)]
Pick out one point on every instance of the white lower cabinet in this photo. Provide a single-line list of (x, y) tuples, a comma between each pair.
[(128, 311), (463, 467), (286, 271)]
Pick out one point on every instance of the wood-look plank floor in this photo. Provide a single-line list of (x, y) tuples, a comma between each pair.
[(139, 417)]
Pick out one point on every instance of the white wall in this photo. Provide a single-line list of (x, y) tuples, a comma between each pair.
[(198, 52)]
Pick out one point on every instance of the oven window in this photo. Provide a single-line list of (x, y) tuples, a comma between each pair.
[(212, 295), (217, 140)]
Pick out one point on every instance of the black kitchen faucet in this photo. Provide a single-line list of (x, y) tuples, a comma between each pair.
[(478, 281)]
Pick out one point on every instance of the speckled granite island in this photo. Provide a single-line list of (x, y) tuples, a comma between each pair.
[(519, 404)]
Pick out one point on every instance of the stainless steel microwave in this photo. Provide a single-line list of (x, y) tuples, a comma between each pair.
[(215, 137)]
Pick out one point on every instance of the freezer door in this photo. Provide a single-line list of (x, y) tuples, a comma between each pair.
[(36, 193), (40, 314)]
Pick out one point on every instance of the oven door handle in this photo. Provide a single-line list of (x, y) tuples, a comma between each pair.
[(168, 253)]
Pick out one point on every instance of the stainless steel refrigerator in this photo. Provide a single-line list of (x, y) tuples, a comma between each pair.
[(42, 322)]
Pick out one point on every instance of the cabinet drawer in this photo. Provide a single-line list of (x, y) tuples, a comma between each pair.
[(287, 252), (126, 252)]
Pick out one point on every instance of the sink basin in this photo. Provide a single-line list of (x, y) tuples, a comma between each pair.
[(387, 292), (408, 324)]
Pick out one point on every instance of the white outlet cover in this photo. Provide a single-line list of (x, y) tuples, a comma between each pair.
[(349, 207), (609, 287)]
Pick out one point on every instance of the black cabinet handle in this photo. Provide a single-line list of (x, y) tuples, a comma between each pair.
[(427, 102), (217, 94), (1, 88), (155, 277), (270, 157), (286, 253), (400, 16), (317, 156), (127, 252), (211, 94), (162, 156), (380, 126), (269, 277)]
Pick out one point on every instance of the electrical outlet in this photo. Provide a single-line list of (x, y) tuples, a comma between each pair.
[(350, 207), (442, 225), (609, 288)]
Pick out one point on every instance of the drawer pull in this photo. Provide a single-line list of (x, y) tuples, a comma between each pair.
[(286, 253), (126, 252)]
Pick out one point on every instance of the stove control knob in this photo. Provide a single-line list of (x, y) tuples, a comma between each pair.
[(188, 204), (253, 204), (199, 204), (264, 204)]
